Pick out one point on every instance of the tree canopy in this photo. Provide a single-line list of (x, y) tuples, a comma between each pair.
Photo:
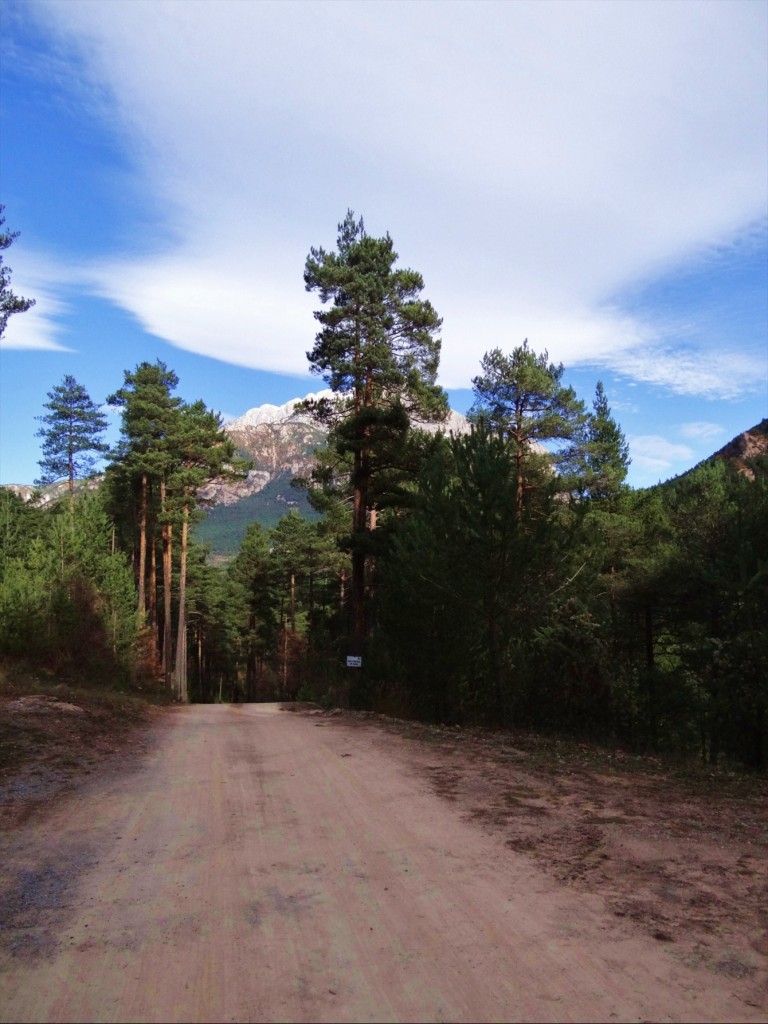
[(72, 434), (522, 398), (378, 349)]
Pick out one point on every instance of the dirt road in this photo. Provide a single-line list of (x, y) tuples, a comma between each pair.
[(265, 866)]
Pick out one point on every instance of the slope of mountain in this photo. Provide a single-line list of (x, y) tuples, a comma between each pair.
[(225, 526), (281, 444), (51, 493), (746, 446)]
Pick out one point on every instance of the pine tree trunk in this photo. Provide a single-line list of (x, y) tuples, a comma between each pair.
[(359, 528), (152, 592), (142, 582), (520, 485), (180, 671), (360, 472), (167, 578), (650, 669)]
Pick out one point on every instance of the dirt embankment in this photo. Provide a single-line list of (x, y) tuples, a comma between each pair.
[(55, 734), (677, 851)]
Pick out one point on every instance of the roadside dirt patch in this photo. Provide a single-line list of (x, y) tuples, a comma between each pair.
[(53, 735), (677, 852)]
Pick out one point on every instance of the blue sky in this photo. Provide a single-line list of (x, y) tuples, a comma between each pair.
[(591, 176)]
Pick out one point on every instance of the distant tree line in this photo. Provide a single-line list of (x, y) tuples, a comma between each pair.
[(505, 577)]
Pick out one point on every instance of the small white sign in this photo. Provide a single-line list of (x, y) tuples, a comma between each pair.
[(354, 661)]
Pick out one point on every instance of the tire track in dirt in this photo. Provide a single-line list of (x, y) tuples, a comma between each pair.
[(259, 866)]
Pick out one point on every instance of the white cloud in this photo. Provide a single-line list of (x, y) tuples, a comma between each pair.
[(653, 452), (701, 430), (248, 316), (531, 159), (573, 336), (32, 330), (725, 374), (40, 326)]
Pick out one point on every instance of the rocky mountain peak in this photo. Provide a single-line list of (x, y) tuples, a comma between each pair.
[(281, 443), (274, 414)]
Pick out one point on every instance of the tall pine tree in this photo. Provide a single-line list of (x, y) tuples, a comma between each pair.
[(199, 451), (378, 348), (144, 457), (72, 434)]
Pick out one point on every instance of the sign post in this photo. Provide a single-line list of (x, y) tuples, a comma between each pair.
[(354, 661)]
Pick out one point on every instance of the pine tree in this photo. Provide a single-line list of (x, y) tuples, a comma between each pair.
[(378, 349), (71, 433), (143, 455), (200, 450), (606, 450), (521, 397)]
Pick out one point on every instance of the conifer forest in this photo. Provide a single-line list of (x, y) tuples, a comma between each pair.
[(504, 577)]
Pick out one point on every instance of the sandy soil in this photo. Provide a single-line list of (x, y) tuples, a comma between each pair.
[(259, 865)]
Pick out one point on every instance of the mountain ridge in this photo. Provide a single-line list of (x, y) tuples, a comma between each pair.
[(281, 444)]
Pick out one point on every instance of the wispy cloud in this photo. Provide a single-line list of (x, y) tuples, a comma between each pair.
[(701, 431), (40, 327), (725, 374), (657, 453), (244, 315), (36, 330), (533, 160)]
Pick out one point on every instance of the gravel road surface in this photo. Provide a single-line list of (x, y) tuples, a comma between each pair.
[(260, 865)]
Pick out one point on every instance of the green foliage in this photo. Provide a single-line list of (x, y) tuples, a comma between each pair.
[(72, 434), (224, 527), (213, 633), (458, 593), (606, 454), (149, 419), (199, 450), (378, 338), (521, 397), (66, 599)]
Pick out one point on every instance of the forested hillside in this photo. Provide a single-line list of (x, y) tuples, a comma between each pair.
[(505, 576)]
